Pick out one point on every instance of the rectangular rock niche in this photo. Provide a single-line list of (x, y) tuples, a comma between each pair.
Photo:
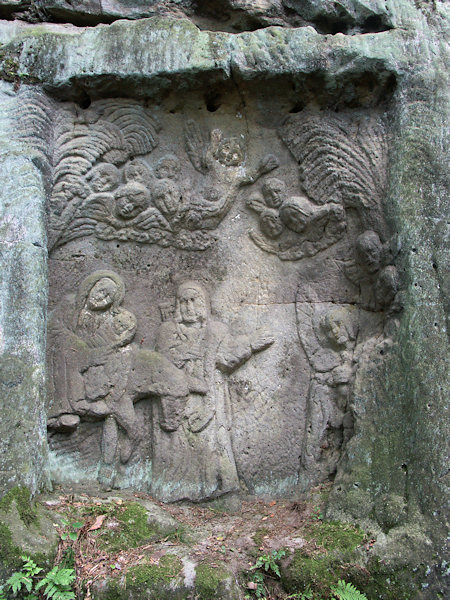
[(220, 272)]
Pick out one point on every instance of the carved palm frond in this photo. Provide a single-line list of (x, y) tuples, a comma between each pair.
[(35, 114), (341, 159), (139, 128), (113, 131), (80, 147)]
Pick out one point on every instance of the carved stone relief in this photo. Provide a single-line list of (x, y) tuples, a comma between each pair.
[(97, 375), (214, 287), (100, 188)]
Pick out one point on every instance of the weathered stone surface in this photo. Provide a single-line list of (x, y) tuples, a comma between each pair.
[(350, 16), (380, 382), (191, 194), (23, 262), (25, 528)]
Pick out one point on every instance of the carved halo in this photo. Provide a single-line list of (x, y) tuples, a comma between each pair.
[(88, 283)]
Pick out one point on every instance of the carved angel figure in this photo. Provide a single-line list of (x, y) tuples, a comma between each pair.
[(340, 342), (377, 280), (193, 456), (328, 337)]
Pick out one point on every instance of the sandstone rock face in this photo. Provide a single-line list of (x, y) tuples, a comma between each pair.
[(246, 259), (349, 16)]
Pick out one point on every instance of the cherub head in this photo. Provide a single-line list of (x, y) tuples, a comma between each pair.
[(296, 213), (138, 171), (131, 199), (103, 177), (168, 167), (270, 223), (166, 197), (274, 192)]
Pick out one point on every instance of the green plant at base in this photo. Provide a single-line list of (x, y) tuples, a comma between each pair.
[(306, 595), (58, 583), (25, 577), (266, 564), (316, 514), (73, 528), (346, 591), (257, 586)]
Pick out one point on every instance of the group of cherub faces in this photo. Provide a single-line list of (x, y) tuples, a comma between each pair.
[(277, 211), (132, 197)]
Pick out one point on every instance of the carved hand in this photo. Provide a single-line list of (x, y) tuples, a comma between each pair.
[(172, 410), (342, 374), (198, 420), (260, 340), (268, 164), (93, 409), (151, 218), (197, 386)]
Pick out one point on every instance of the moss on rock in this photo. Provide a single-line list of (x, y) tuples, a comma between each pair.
[(391, 583), (213, 582), (331, 554), (22, 498), (134, 527), (25, 528), (333, 535), (158, 582), (9, 552)]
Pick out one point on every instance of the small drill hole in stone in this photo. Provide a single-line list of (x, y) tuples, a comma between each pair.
[(213, 103)]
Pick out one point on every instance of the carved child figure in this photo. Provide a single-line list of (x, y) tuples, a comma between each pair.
[(167, 192), (103, 178), (378, 281)]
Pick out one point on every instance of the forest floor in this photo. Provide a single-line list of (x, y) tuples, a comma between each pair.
[(108, 535)]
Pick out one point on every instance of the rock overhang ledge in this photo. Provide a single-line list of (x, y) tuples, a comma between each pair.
[(159, 52)]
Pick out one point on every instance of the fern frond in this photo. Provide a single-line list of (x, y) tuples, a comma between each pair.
[(346, 591)]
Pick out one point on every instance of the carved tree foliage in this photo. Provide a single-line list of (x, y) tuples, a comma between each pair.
[(341, 159), (342, 164), (112, 134)]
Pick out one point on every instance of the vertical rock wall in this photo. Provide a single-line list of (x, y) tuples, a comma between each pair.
[(23, 301)]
